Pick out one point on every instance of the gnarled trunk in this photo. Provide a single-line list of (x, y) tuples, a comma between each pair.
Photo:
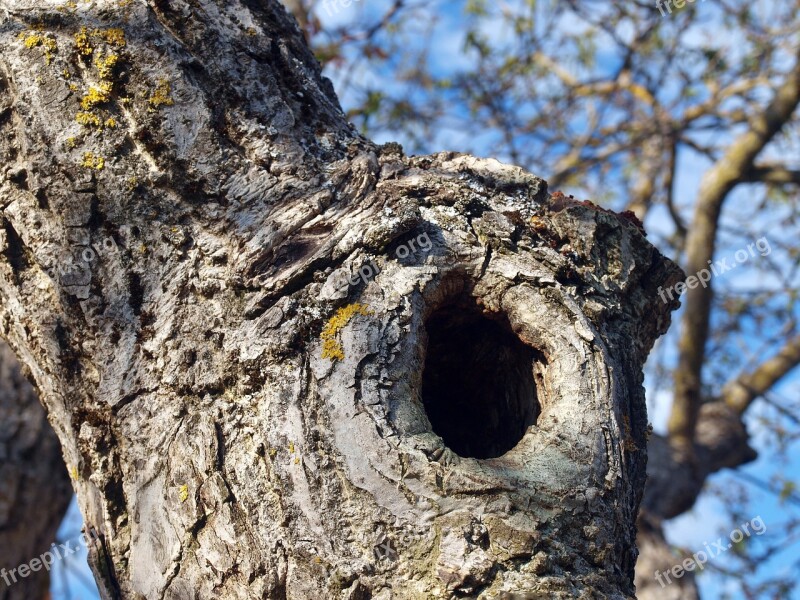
[(287, 363), (34, 486)]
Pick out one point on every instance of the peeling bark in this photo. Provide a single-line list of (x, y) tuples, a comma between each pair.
[(242, 376), (34, 487)]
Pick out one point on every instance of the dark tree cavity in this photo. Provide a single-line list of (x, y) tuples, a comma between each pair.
[(478, 386)]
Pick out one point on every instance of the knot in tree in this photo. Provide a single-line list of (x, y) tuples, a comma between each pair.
[(310, 366)]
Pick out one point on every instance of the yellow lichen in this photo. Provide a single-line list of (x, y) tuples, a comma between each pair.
[(97, 95), (95, 42), (73, 473), (89, 119), (291, 447), (73, 87), (161, 96), (105, 65), (35, 39), (132, 183), (183, 493), (93, 161), (331, 348), (112, 37), (71, 143), (82, 42)]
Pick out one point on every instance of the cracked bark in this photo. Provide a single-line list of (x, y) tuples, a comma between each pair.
[(240, 376), (34, 487)]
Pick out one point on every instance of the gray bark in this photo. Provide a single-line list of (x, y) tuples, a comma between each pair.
[(249, 416), (34, 486)]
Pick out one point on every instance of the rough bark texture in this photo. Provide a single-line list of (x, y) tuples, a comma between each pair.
[(34, 486), (247, 415)]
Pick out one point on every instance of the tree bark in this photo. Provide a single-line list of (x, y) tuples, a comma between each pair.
[(34, 486), (288, 363)]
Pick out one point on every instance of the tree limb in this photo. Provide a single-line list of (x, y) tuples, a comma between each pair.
[(773, 175), (741, 392), (717, 184), (34, 486)]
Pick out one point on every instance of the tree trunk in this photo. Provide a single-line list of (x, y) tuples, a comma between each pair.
[(288, 363), (34, 486)]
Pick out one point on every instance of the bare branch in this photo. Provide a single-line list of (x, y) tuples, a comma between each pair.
[(718, 182), (742, 391), (773, 175)]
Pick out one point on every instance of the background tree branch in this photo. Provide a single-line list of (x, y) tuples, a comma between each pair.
[(34, 487)]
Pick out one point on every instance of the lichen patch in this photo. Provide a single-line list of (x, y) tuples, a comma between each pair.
[(331, 348)]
